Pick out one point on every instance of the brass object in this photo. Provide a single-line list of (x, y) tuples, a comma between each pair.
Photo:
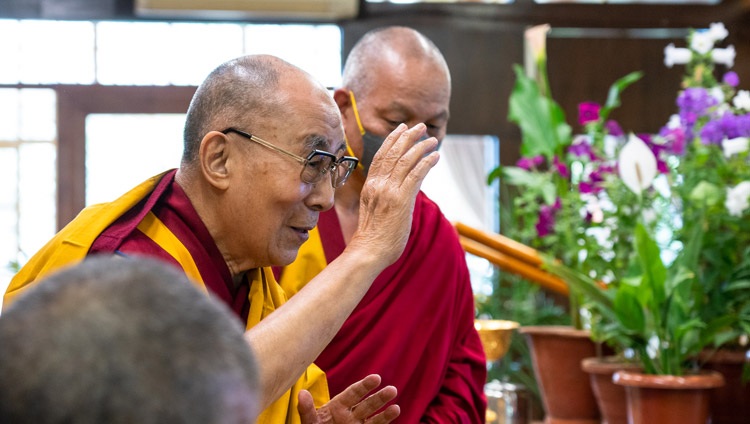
[(495, 335)]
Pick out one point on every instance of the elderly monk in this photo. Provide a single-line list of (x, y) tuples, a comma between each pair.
[(122, 341), (419, 313), (264, 150)]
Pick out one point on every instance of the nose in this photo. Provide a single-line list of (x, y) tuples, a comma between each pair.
[(321, 195)]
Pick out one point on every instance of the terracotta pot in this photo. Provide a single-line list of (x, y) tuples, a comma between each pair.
[(610, 397), (668, 399), (556, 354), (730, 404)]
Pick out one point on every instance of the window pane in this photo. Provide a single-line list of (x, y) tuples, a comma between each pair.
[(124, 150), (10, 47), (161, 53), (9, 113), (37, 189), (38, 120), (198, 48), (314, 48), (132, 53), (56, 52)]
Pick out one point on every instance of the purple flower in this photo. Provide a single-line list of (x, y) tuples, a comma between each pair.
[(613, 128), (694, 103), (731, 79), (727, 125), (675, 138), (528, 163), (582, 149), (588, 112), (562, 169), (546, 223)]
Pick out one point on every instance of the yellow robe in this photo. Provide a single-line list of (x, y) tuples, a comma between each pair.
[(72, 244)]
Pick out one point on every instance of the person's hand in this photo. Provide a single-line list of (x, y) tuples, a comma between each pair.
[(388, 195), (351, 406)]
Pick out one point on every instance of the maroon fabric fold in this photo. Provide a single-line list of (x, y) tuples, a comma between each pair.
[(415, 326), (171, 205)]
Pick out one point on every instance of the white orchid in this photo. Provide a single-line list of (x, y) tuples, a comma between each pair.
[(737, 198), (717, 31), (742, 100), (701, 42), (735, 145), (637, 165), (724, 56), (676, 55)]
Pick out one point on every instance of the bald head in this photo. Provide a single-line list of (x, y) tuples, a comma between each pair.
[(241, 91), (121, 340), (394, 48)]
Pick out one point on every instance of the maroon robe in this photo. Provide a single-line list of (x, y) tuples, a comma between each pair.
[(415, 326), (170, 204)]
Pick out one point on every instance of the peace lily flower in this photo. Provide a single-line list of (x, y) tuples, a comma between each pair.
[(637, 165), (734, 146), (737, 198)]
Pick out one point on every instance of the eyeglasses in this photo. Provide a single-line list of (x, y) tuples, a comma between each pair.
[(315, 166)]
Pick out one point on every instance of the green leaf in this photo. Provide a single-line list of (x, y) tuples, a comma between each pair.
[(706, 194), (654, 271), (613, 97), (629, 311), (521, 177), (542, 121)]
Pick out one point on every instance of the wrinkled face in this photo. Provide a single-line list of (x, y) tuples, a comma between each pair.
[(270, 210), (409, 91)]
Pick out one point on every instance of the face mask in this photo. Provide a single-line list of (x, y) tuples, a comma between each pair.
[(371, 142)]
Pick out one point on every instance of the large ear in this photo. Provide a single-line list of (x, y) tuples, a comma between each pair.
[(341, 97), (213, 156)]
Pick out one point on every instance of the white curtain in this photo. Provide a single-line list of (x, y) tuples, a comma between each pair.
[(458, 183)]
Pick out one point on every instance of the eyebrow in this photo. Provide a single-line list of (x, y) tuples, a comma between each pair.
[(319, 142)]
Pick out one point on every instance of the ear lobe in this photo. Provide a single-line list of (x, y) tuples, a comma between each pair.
[(214, 159)]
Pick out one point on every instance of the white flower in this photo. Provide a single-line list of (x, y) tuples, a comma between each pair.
[(701, 42), (676, 55), (652, 348), (737, 198), (717, 31), (637, 165), (724, 56), (742, 100), (674, 122), (735, 145), (718, 94)]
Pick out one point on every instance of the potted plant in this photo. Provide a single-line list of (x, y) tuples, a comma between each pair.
[(647, 229), (547, 211)]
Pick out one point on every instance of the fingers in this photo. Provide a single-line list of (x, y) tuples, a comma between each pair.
[(401, 153), (373, 403), (306, 408), (388, 415), (353, 394)]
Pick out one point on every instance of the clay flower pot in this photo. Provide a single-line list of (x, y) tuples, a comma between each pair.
[(668, 399), (609, 396), (556, 354), (730, 404)]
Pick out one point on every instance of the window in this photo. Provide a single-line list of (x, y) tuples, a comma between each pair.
[(113, 53)]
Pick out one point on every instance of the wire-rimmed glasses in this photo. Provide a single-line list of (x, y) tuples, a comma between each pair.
[(315, 166)]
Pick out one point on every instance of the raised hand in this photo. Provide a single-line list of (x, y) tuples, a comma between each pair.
[(387, 198), (352, 405)]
